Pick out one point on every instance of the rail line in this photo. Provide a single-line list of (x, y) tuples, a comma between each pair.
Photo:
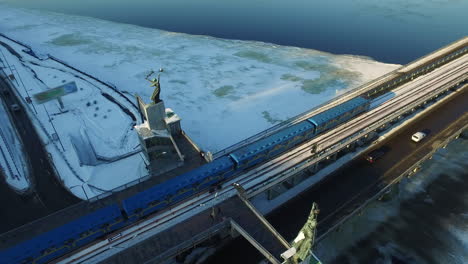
[(347, 130), (459, 46), (251, 179)]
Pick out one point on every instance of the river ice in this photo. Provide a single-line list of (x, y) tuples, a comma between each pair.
[(224, 90)]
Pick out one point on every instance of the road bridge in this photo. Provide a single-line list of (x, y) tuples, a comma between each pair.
[(348, 190), (424, 87), (383, 84), (423, 97)]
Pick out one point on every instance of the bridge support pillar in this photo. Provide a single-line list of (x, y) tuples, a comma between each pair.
[(314, 168), (334, 156)]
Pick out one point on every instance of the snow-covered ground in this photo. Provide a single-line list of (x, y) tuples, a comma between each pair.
[(12, 160), (224, 90)]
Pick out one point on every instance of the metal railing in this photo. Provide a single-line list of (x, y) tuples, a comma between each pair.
[(356, 208), (343, 143)]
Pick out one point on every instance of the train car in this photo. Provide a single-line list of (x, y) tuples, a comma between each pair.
[(341, 113), (66, 238), (63, 239), (272, 145), (178, 188)]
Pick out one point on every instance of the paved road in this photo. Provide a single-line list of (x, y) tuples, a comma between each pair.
[(48, 196), (346, 183)]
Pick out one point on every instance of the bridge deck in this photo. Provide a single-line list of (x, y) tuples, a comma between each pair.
[(21, 233), (360, 90), (154, 249), (350, 186)]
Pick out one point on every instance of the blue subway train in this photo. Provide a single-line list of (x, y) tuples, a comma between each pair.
[(66, 238)]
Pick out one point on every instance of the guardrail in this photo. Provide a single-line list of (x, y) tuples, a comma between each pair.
[(354, 209), (255, 137), (394, 115), (342, 144)]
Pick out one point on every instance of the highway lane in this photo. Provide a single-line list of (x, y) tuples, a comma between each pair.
[(48, 195), (272, 168), (404, 95), (356, 127), (358, 174), (350, 180)]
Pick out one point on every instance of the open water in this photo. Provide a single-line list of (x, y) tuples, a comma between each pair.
[(426, 222), (392, 31)]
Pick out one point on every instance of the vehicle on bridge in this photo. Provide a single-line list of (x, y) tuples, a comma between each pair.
[(102, 222), (107, 219), (377, 154), (418, 136)]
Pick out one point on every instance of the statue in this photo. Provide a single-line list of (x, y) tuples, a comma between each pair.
[(305, 239), (157, 87)]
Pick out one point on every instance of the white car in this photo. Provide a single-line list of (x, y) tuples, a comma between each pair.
[(418, 136)]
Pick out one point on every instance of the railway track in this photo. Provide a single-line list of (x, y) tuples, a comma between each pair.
[(363, 89), (251, 180)]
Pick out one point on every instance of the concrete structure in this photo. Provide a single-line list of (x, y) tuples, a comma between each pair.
[(386, 82), (157, 135), (185, 225), (298, 169)]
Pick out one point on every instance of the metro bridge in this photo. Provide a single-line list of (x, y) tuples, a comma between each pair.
[(400, 102)]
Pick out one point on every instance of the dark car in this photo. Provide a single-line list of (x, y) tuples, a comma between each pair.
[(376, 154)]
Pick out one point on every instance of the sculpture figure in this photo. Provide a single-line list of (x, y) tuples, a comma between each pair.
[(157, 87), (305, 240)]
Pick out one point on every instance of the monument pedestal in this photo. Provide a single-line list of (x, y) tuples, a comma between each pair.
[(156, 136), (155, 114)]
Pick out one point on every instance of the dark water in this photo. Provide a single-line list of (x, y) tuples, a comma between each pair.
[(394, 31), (425, 223)]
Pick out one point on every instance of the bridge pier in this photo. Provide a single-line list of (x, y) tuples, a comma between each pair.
[(464, 134)]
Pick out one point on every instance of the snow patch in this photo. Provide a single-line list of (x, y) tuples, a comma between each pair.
[(224, 90)]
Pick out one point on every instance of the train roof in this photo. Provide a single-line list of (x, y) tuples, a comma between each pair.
[(56, 236), (141, 199), (338, 110), (284, 134)]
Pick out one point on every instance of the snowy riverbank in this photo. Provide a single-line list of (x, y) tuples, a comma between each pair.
[(224, 90)]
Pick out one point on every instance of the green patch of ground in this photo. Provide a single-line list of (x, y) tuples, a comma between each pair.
[(103, 48), (111, 65), (314, 66), (234, 97), (178, 81), (254, 55), (330, 76), (25, 27), (319, 85), (269, 118), (223, 90), (290, 77), (73, 39)]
